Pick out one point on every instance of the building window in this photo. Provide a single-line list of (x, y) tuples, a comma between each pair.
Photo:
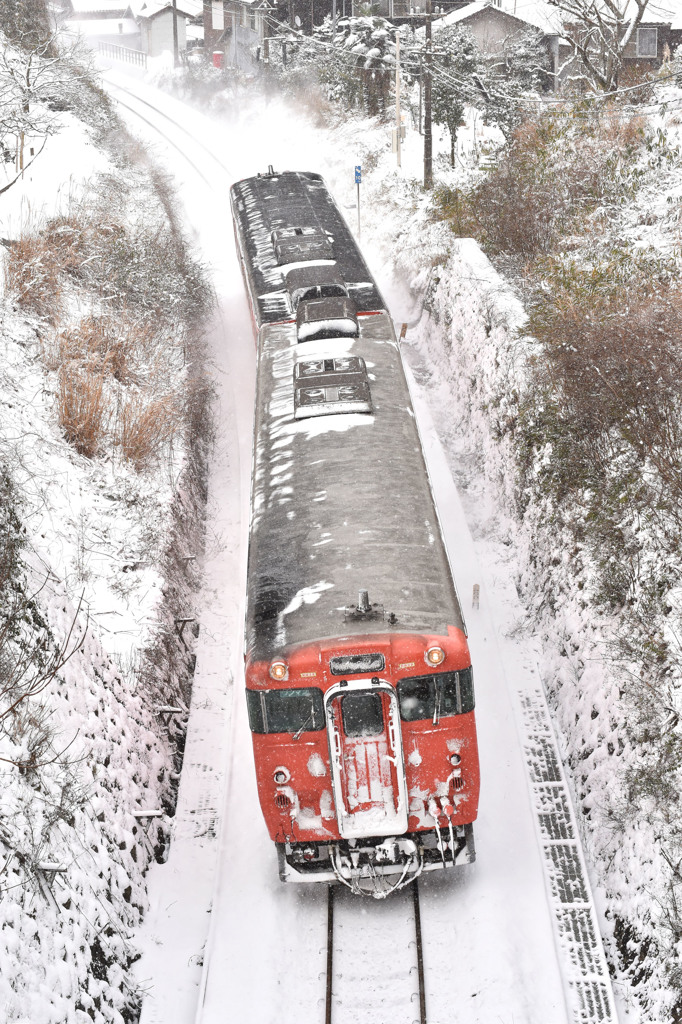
[(647, 42), (217, 15), (253, 22)]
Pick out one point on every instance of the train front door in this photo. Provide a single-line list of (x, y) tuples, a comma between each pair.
[(366, 754)]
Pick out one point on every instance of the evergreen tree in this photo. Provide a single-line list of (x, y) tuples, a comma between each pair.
[(456, 66)]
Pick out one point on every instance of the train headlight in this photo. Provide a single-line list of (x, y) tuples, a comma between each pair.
[(434, 656), (279, 670), (455, 759), (281, 775)]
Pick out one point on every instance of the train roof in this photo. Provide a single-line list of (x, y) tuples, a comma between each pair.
[(341, 500), (270, 206)]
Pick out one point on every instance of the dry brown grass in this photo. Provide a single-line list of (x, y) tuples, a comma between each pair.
[(82, 409), (107, 343), (146, 427), (33, 277), (37, 263)]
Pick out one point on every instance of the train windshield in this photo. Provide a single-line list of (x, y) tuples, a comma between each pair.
[(362, 714), (295, 711), (444, 693)]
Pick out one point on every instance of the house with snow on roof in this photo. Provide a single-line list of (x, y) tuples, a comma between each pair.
[(155, 19), (101, 21), (654, 40), (492, 28), (493, 22), (145, 25)]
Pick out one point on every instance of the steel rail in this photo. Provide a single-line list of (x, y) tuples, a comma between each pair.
[(420, 950), (330, 955), (164, 136), (181, 128), (329, 984)]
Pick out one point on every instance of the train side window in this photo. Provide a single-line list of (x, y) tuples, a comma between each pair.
[(290, 710), (435, 696), (254, 704), (362, 714)]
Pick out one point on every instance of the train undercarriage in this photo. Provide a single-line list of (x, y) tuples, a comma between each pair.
[(377, 866)]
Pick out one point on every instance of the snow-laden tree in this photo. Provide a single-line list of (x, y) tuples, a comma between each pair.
[(25, 22), (599, 32), (676, 66), (500, 86), (456, 66), (514, 78), (354, 65)]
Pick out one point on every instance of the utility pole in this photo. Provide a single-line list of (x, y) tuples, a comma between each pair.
[(175, 34), (397, 98), (421, 91), (428, 140)]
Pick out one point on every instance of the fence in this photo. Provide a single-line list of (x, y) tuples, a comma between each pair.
[(123, 53)]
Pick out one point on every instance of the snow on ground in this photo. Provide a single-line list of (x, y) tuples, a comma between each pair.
[(494, 940), (94, 532)]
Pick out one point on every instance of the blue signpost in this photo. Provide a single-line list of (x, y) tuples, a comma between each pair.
[(358, 179)]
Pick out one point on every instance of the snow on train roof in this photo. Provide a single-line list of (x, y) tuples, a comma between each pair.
[(268, 203), (331, 518)]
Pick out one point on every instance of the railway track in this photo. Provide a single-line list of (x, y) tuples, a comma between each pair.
[(354, 929), (182, 149)]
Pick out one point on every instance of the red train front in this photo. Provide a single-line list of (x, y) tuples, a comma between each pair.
[(366, 756), (359, 680)]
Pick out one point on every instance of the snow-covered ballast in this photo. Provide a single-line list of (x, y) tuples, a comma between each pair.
[(359, 681)]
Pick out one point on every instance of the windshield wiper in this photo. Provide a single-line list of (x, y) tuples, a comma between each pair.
[(308, 721), (436, 710)]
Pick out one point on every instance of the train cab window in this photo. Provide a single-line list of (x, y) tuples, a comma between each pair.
[(290, 710), (435, 696), (362, 714)]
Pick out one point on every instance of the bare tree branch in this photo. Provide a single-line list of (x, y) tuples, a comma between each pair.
[(599, 32)]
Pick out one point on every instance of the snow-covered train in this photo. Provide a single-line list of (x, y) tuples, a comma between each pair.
[(358, 675)]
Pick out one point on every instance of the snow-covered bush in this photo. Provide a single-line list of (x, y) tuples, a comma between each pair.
[(556, 169), (102, 369), (589, 422)]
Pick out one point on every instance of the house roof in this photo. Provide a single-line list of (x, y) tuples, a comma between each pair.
[(540, 13), (102, 26), (545, 18), (150, 8), (535, 12), (106, 8)]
